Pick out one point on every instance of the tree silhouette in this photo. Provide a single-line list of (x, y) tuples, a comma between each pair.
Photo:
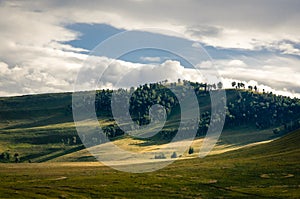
[(233, 84), (220, 85)]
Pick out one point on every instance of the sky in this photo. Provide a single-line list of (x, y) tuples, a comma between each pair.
[(45, 44)]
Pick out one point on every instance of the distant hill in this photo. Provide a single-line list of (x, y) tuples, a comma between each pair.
[(40, 127)]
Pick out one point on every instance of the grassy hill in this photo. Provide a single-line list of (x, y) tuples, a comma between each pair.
[(249, 161), (40, 127), (268, 170)]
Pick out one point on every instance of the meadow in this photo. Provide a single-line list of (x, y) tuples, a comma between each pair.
[(269, 170)]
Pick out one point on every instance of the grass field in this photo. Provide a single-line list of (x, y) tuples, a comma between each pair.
[(269, 170)]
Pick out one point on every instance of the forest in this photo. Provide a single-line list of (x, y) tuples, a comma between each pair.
[(244, 106)]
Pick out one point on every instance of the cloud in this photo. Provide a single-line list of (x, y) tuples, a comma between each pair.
[(234, 24), (204, 65), (151, 59), (113, 74), (281, 73), (203, 30), (236, 63), (227, 83), (288, 48), (35, 58)]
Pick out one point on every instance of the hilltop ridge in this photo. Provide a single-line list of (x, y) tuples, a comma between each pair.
[(41, 128)]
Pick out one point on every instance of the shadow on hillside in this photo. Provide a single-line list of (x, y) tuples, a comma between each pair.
[(55, 119)]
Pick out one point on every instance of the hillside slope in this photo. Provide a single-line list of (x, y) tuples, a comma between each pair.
[(286, 148), (268, 170), (40, 127)]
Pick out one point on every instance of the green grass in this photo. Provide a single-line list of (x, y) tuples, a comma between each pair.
[(265, 171)]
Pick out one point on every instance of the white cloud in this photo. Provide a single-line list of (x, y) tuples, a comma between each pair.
[(204, 65), (151, 59), (227, 83), (278, 72), (115, 73), (287, 48), (246, 25), (236, 63), (35, 59), (126, 74)]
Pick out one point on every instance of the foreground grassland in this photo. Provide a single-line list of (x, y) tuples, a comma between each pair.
[(270, 170)]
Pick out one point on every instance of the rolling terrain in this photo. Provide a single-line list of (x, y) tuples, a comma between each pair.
[(40, 128), (269, 170), (257, 155)]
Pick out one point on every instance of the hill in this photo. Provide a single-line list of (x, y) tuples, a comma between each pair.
[(40, 128), (268, 170)]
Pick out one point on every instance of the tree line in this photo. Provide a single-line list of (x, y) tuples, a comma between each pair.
[(245, 106)]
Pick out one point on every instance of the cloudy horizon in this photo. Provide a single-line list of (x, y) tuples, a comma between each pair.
[(45, 43)]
